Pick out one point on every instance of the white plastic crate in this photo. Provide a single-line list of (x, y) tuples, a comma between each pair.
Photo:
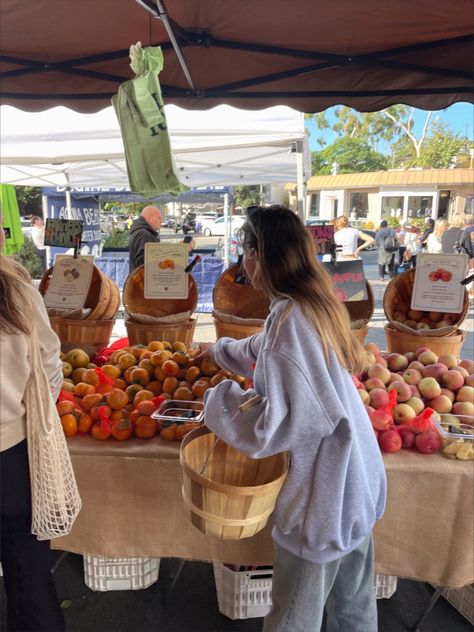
[(462, 599), (120, 573), (385, 586), (244, 594)]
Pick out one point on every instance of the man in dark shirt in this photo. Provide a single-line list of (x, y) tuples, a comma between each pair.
[(427, 232), (144, 230)]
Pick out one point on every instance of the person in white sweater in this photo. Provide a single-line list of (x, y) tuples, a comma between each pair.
[(32, 603), (305, 403), (434, 242)]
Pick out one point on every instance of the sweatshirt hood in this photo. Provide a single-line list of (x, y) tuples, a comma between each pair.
[(141, 224)]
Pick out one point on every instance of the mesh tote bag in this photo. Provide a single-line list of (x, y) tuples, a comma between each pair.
[(55, 498)]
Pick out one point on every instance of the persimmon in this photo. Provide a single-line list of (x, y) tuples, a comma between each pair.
[(192, 373), (181, 359), (133, 416), (95, 414), (145, 427), (155, 345), (132, 390), (166, 395), (114, 358), (147, 365), (181, 373), (182, 430), (85, 423), (185, 384), (121, 384), (101, 431), (200, 387), (208, 367), (77, 374), (217, 378), (91, 400), (168, 433), (137, 350), (68, 386), (117, 415), (182, 393), (82, 389), (146, 407), (65, 407), (90, 377), (155, 387), (127, 374), (142, 396), (122, 430), (139, 376), (170, 384), (103, 389), (116, 399), (111, 370), (69, 424), (170, 368), (167, 345), (179, 346), (126, 360), (146, 355), (159, 357), (159, 375)]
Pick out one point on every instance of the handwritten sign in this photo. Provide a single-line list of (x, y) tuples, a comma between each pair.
[(65, 233), (437, 286), (323, 236), (349, 281), (70, 282), (164, 270)]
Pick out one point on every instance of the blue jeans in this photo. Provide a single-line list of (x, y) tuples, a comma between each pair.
[(302, 589)]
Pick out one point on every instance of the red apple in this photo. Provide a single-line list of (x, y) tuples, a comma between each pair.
[(453, 380), (416, 403), (436, 370), (402, 389), (441, 404), (407, 436), (465, 394), (448, 360), (390, 441), (412, 376), (403, 413), (378, 397), (427, 357), (428, 442)]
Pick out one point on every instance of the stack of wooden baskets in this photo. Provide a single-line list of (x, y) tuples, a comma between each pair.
[(94, 330), (360, 313), (167, 319), (239, 309), (401, 339)]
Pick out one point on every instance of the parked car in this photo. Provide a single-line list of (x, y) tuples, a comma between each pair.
[(169, 222), (217, 227), (187, 223)]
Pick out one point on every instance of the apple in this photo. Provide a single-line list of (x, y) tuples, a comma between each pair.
[(390, 441), (429, 387), (441, 404), (399, 316), (427, 357), (422, 326), (414, 391), (381, 361), (357, 382), (402, 413), (469, 381), (372, 348), (448, 393), (407, 436), (394, 377), (77, 358), (445, 276), (421, 350), (443, 323), (380, 419), (465, 394), (462, 371), (376, 370), (410, 323), (412, 376), (436, 370), (378, 398), (415, 364), (373, 382), (402, 389), (67, 369), (370, 357), (464, 408), (468, 365), (365, 397), (448, 360), (453, 380), (369, 409), (428, 442), (415, 403), (397, 362), (435, 316), (410, 356), (415, 315)]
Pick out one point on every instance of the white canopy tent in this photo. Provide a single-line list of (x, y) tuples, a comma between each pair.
[(221, 146)]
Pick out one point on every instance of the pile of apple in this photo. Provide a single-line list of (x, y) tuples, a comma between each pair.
[(418, 320), (402, 392)]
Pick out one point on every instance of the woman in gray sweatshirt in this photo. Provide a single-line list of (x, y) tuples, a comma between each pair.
[(336, 488)]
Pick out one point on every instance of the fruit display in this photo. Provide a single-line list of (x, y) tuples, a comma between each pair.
[(423, 320), (119, 398), (457, 437), (405, 394)]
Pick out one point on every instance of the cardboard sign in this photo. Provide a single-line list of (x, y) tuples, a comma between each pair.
[(437, 286), (70, 282), (65, 233), (349, 281), (164, 270), (324, 238)]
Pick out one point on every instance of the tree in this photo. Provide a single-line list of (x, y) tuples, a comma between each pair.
[(29, 200), (246, 195), (350, 154), (441, 147)]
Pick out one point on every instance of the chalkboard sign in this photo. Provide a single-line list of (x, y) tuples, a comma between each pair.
[(349, 281), (323, 236), (64, 233)]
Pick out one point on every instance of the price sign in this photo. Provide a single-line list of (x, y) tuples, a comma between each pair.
[(70, 282), (165, 275), (437, 286), (349, 281)]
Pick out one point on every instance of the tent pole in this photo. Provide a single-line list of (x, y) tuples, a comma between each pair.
[(44, 203), (227, 223), (68, 203), (300, 184)]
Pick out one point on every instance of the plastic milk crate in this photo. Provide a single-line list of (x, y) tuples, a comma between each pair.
[(120, 573)]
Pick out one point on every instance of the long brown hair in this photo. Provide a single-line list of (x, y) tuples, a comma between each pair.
[(287, 267), (16, 312)]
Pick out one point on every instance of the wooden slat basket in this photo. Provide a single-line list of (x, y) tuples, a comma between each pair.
[(238, 307), (401, 342), (235, 495), (360, 313)]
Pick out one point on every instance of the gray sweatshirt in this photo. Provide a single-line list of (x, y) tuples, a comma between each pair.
[(336, 487)]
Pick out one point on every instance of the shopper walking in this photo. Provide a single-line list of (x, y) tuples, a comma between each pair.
[(451, 238), (144, 230), (37, 235), (346, 239), (386, 257), (305, 403), (32, 604), (412, 245), (434, 242), (427, 232)]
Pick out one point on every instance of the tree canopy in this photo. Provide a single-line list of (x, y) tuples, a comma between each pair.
[(347, 155)]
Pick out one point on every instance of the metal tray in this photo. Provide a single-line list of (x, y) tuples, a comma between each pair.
[(173, 411)]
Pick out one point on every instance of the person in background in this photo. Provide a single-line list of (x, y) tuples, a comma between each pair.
[(129, 221), (467, 246), (37, 235), (32, 604), (305, 404), (433, 243), (452, 236), (144, 230), (347, 238), (385, 258), (412, 245), (427, 232), (190, 241), (401, 232)]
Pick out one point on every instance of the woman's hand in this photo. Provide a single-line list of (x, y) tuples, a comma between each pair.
[(201, 352)]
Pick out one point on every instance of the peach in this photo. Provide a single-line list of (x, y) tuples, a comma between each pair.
[(465, 394), (378, 397), (397, 362), (436, 370), (376, 370), (372, 348), (412, 376), (427, 357), (416, 403), (364, 395), (441, 404), (448, 393), (403, 390), (415, 315), (448, 360), (468, 365), (429, 387), (464, 408), (469, 381), (453, 380), (402, 413), (416, 365), (373, 382)]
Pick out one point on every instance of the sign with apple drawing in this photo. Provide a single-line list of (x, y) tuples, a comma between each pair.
[(348, 278), (437, 285)]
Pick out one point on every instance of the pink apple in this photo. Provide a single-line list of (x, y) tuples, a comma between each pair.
[(429, 387), (397, 362), (415, 403), (372, 348), (402, 389), (436, 370), (364, 395), (464, 408), (410, 356), (448, 393), (369, 409), (469, 381), (378, 397), (415, 364), (370, 358), (453, 380), (373, 382), (414, 391), (402, 413), (421, 350), (427, 357), (395, 377), (381, 361), (448, 360), (412, 376), (468, 365), (441, 404), (415, 315), (465, 394), (462, 371), (376, 370)]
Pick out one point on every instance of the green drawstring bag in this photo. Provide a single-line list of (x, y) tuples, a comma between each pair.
[(141, 114)]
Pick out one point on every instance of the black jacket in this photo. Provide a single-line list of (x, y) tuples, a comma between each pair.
[(140, 234)]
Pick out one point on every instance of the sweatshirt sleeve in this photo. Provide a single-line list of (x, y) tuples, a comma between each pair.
[(270, 426), (49, 344), (142, 238), (237, 356)]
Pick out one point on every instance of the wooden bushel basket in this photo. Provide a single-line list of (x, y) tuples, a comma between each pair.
[(360, 313), (241, 301), (401, 342), (143, 334), (87, 334), (235, 495)]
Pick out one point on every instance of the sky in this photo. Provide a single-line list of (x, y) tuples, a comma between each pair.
[(460, 117)]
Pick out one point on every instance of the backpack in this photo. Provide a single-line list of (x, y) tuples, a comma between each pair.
[(390, 243)]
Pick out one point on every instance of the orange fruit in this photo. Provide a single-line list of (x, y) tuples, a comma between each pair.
[(146, 407), (126, 361), (179, 346), (117, 399), (122, 430), (159, 375), (121, 384), (81, 389), (91, 400), (111, 370), (199, 388), (170, 368), (155, 345), (77, 374), (139, 376), (168, 433), (94, 411), (100, 432), (155, 387), (192, 373), (145, 427), (65, 407), (69, 424), (182, 393), (117, 415), (208, 367), (181, 359), (147, 365), (132, 390), (103, 389), (215, 379), (85, 423), (170, 384), (90, 377)]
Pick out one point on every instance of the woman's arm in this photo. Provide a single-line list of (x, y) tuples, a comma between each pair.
[(368, 241)]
